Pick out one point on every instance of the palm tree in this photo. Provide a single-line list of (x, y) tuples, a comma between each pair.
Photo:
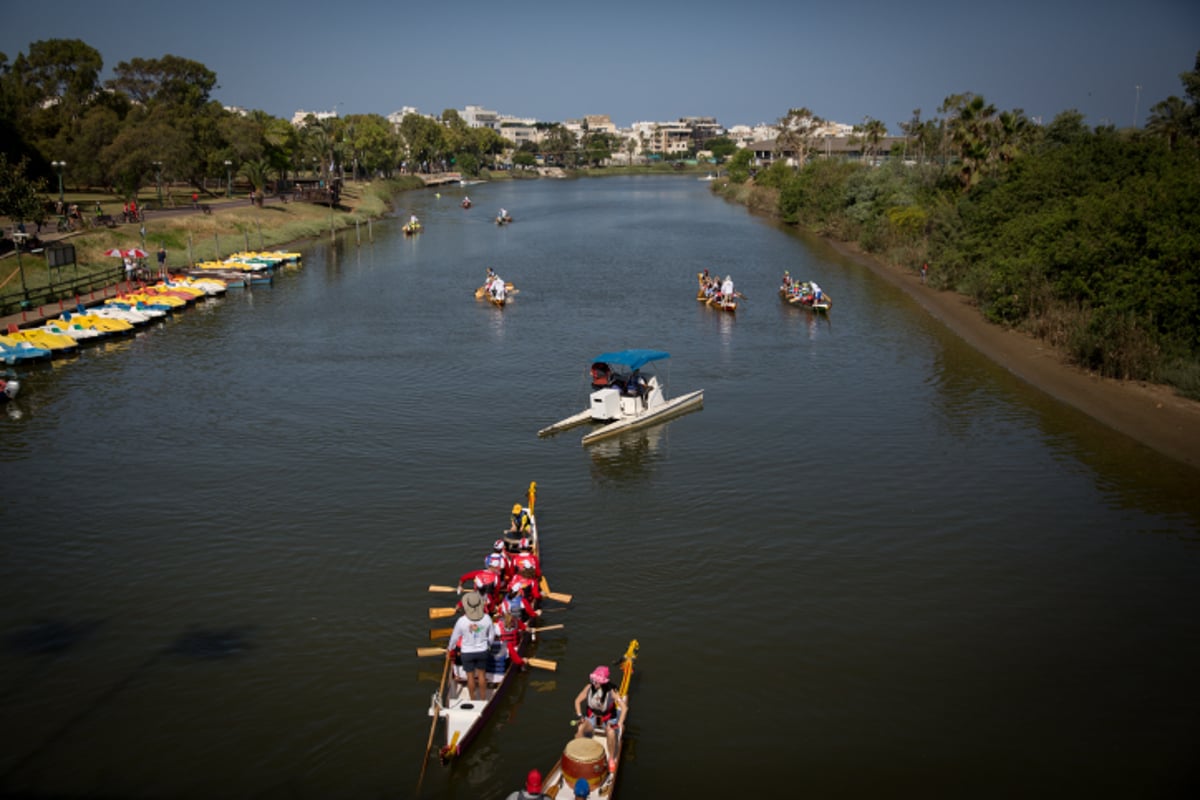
[(256, 172), (969, 128), (1168, 120), (872, 132), (1013, 132)]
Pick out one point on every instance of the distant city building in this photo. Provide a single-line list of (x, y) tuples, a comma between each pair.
[(600, 123), (518, 132), (299, 118), (477, 117), (509, 119), (396, 117)]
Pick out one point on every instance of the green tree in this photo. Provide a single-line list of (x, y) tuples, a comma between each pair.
[(169, 80), (558, 145), (797, 132), (375, 146), (739, 165), (21, 197), (1169, 121), (870, 133), (969, 127), (722, 147), (424, 140)]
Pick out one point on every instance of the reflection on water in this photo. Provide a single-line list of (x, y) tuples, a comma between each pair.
[(627, 456)]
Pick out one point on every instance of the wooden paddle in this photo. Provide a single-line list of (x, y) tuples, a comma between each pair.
[(426, 652), (547, 628), (540, 663), (440, 633), (559, 597), (433, 726), (433, 587), (442, 613)]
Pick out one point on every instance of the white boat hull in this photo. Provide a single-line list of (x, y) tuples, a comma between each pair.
[(658, 413)]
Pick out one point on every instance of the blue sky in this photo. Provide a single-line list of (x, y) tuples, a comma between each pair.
[(746, 61)]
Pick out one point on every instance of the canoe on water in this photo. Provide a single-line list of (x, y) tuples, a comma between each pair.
[(802, 295), (709, 293), (509, 290), (588, 758), (462, 717)]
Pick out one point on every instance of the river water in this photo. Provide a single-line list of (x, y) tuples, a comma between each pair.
[(874, 564)]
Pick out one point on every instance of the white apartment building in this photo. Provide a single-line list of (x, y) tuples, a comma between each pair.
[(477, 117), (299, 117), (396, 117)]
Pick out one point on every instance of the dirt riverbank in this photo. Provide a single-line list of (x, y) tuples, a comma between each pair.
[(1151, 414)]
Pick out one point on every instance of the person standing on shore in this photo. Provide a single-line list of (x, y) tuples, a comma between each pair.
[(924, 271), (162, 261)]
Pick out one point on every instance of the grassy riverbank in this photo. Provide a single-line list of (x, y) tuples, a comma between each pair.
[(191, 237)]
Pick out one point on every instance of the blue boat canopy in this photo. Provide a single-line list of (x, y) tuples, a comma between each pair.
[(634, 359)]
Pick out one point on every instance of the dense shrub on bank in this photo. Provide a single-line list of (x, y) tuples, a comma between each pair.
[(1089, 239)]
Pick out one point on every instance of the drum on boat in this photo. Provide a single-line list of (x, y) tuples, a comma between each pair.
[(584, 758)]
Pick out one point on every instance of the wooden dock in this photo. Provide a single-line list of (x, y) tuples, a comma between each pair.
[(441, 178)]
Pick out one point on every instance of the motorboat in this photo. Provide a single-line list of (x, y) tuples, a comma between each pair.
[(623, 398)]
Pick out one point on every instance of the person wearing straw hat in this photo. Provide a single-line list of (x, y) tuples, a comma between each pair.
[(603, 712), (472, 636), (532, 790)]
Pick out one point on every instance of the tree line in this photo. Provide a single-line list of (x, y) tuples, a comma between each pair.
[(155, 119), (1086, 237)]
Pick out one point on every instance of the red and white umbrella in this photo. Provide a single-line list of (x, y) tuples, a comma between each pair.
[(136, 252), (115, 252)]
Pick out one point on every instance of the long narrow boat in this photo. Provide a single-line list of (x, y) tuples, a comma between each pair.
[(484, 293), (802, 295), (463, 716), (588, 758), (625, 399), (709, 293)]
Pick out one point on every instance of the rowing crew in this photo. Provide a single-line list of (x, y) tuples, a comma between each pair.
[(507, 580), (493, 284), (714, 289)]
